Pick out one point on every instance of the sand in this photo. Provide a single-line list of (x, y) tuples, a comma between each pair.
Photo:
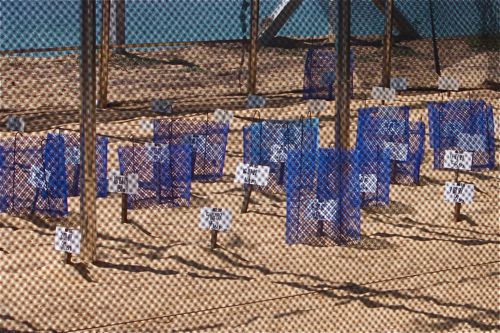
[(415, 270)]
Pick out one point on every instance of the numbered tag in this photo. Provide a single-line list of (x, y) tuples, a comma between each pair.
[(278, 153), (399, 151), (457, 160), (38, 178), (223, 116), (316, 106), (218, 219), (68, 240), (448, 83), (474, 142), (458, 192), (158, 153), (368, 183), (252, 175), (321, 210), (146, 125), (72, 155), (255, 102), (15, 123), (161, 106), (128, 184), (399, 83), (386, 94)]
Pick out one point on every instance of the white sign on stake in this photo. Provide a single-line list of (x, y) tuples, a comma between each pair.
[(68, 240), (15, 123), (223, 116), (368, 183), (458, 192), (399, 83), (278, 153), (146, 125), (316, 106), (457, 160), (255, 102), (448, 83), (161, 106), (399, 151), (386, 94), (252, 174), (218, 219), (128, 184)]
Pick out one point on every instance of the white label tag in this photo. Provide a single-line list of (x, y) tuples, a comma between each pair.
[(68, 240), (368, 183), (316, 106), (471, 143), (161, 106), (399, 152), (386, 94), (158, 153), (255, 102), (252, 175), (399, 83), (215, 219), (458, 192), (448, 83), (223, 116), (128, 184), (146, 125), (278, 153), (457, 160), (15, 123), (38, 178), (72, 155), (321, 211)]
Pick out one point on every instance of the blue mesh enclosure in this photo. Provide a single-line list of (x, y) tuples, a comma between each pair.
[(320, 73), (33, 177), (388, 127), (207, 138), (463, 125), (72, 153), (268, 142), (323, 197), (164, 174), (375, 176)]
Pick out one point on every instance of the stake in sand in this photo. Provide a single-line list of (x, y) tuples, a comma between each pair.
[(215, 220)]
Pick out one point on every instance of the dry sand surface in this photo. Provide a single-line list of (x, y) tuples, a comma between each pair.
[(415, 270)]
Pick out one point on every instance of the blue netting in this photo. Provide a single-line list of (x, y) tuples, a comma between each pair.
[(463, 125), (375, 176), (208, 140), (73, 168), (388, 127), (164, 174), (33, 177), (320, 73), (323, 197), (268, 142)]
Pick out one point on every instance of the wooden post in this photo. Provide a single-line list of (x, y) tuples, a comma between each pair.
[(386, 70), (254, 40), (458, 206), (343, 87), (88, 131), (104, 57), (246, 199), (124, 208), (120, 21), (213, 239), (437, 65)]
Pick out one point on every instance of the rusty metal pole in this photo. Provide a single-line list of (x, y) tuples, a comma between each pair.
[(386, 70), (254, 45), (104, 56), (88, 130)]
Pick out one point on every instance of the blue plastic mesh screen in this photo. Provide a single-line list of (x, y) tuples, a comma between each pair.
[(375, 176), (208, 140), (73, 167), (268, 142), (320, 73), (388, 127), (164, 174), (323, 197), (463, 125), (32, 176)]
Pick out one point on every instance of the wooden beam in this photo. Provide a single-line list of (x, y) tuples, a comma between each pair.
[(404, 27), (254, 45), (386, 70), (281, 14), (104, 54), (120, 25), (88, 192)]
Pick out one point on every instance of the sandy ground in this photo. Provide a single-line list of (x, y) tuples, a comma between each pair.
[(415, 270)]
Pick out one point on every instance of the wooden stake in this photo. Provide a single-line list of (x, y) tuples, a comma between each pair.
[(246, 199), (458, 206), (104, 54), (213, 239), (120, 24), (67, 258), (88, 130), (386, 70), (124, 208), (254, 40)]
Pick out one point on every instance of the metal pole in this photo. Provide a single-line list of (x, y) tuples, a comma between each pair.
[(386, 70), (254, 40), (343, 87), (88, 130), (104, 58)]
